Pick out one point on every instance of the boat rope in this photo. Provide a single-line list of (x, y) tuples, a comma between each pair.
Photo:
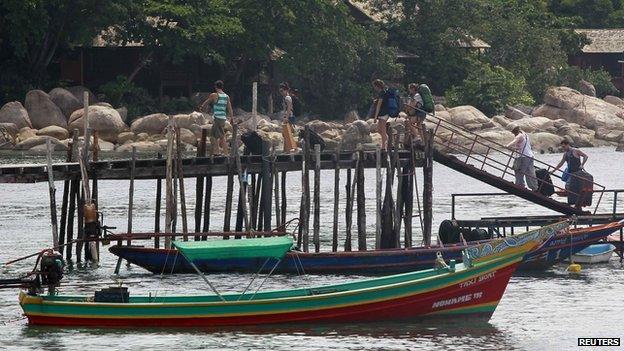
[(253, 279), (265, 279)]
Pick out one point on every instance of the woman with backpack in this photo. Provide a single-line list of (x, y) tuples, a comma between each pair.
[(381, 111)]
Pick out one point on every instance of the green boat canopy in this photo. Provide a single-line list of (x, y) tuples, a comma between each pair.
[(272, 247)]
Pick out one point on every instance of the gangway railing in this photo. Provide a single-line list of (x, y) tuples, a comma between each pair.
[(453, 139)]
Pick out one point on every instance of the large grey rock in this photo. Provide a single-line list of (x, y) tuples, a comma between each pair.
[(188, 136), (574, 107), (545, 142), (587, 88), (319, 126), (105, 120), (25, 134), (609, 135), (467, 115), (501, 120), (78, 92), (514, 113), (351, 117), (123, 112), (534, 124), (39, 140), (150, 124), (14, 112), (54, 131), (123, 137), (357, 132), (65, 100), (141, 146), (614, 100), (187, 120), (269, 126), (7, 139), (42, 111), (10, 128)]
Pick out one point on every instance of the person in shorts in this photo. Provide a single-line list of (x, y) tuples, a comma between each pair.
[(416, 114), (381, 111), (222, 110)]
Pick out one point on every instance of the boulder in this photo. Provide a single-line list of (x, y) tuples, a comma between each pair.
[(580, 137), (609, 135), (501, 120), (439, 107), (319, 126), (102, 103), (574, 107), (524, 108), (41, 148), (188, 137), (545, 142), (78, 92), (54, 131), (514, 114), (14, 112), (497, 135), (356, 133), (351, 117), (42, 111), (186, 121), (39, 140), (10, 128), (150, 124), (65, 100), (25, 134), (123, 137), (587, 88), (620, 146), (145, 136), (269, 126), (123, 112), (105, 146), (105, 120), (614, 100), (466, 115), (276, 139), (534, 124), (141, 146), (7, 140)]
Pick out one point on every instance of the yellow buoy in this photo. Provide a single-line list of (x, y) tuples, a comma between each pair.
[(574, 267)]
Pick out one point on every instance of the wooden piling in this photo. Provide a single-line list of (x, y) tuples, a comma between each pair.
[(131, 192), (80, 234), (305, 192), (336, 198), (158, 202), (284, 202), (64, 203), (230, 183), (179, 160), (398, 211), (94, 186), (242, 211), (317, 198), (428, 188), (378, 197), (71, 212), (52, 189), (169, 183), (276, 191), (207, 200), (199, 185), (408, 197), (361, 200), (266, 186), (348, 212), (388, 235)]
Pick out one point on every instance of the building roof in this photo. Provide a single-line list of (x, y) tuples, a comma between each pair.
[(364, 11), (470, 42), (603, 41)]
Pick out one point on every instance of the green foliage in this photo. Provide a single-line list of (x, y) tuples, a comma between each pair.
[(122, 92), (177, 105), (601, 79), (490, 89), (591, 13)]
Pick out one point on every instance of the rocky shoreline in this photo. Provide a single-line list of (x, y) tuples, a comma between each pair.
[(585, 120)]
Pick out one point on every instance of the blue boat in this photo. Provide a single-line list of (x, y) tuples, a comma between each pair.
[(596, 253), (167, 261)]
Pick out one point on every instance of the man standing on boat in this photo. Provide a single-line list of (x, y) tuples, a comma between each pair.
[(523, 164)]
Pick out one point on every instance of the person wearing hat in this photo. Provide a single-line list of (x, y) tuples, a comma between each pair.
[(523, 164)]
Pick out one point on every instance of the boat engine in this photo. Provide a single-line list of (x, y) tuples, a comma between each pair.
[(51, 268)]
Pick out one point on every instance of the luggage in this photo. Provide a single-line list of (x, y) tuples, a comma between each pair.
[(545, 185), (315, 138), (253, 143), (393, 102), (581, 189)]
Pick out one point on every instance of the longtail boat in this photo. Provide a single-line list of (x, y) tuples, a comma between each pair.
[(374, 262), (471, 288)]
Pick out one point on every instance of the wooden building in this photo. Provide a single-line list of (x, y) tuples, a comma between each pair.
[(605, 51)]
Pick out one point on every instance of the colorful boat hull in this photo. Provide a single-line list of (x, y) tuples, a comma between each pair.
[(472, 289), (165, 261)]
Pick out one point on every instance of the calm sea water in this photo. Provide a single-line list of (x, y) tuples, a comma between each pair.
[(545, 311)]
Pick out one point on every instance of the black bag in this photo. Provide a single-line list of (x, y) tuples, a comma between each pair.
[(315, 138), (580, 189), (253, 143), (545, 185)]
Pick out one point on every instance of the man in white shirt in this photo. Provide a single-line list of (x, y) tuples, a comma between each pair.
[(523, 164)]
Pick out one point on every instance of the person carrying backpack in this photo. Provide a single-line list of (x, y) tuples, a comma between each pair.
[(388, 105), (428, 105)]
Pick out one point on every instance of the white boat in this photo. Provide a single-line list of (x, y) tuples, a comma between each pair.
[(597, 253)]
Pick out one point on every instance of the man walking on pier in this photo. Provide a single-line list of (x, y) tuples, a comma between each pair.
[(222, 109), (523, 164)]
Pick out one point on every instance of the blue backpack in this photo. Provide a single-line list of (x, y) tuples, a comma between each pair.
[(393, 102)]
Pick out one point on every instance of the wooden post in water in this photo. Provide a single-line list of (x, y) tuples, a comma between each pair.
[(276, 181), (242, 194), (66, 185), (73, 194), (85, 120), (408, 196), (361, 200), (179, 161), (378, 197), (131, 192), (388, 235), (336, 198), (94, 189), (399, 201), (230, 183), (316, 239), (254, 104), (53, 219), (266, 186), (199, 185), (157, 215), (428, 188), (305, 192), (169, 183), (80, 234), (348, 212), (207, 199)]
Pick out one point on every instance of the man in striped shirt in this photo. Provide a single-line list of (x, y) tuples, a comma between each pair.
[(222, 110)]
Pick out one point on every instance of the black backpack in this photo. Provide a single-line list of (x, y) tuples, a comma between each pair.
[(393, 102)]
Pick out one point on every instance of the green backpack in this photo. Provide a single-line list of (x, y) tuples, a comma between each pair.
[(425, 94)]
